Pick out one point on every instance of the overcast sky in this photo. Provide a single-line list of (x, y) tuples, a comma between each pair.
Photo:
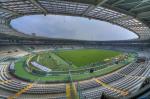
[(55, 26)]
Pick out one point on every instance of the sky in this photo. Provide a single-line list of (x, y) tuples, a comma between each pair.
[(70, 27)]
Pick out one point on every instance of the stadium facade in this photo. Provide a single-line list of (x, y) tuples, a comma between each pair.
[(133, 15)]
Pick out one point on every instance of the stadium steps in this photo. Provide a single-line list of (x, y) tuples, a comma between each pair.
[(25, 89), (125, 82), (132, 76), (5, 82), (123, 93), (74, 89), (68, 91), (71, 91)]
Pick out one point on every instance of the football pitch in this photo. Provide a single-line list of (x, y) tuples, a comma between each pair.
[(82, 57), (60, 58)]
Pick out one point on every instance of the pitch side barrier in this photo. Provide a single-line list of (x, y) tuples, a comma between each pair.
[(73, 72), (78, 71)]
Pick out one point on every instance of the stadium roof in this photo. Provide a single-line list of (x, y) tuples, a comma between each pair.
[(133, 15)]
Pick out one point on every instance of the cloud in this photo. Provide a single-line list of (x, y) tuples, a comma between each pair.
[(69, 27)]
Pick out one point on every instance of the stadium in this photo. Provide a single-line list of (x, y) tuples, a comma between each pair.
[(36, 67)]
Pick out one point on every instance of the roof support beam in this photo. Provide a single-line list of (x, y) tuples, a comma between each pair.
[(92, 2), (35, 2), (140, 3), (136, 25), (119, 10), (92, 7), (2, 20), (125, 17), (8, 11), (140, 8), (144, 15), (119, 1), (126, 4)]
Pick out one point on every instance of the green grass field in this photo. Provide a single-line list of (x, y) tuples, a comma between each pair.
[(50, 60), (23, 73), (84, 57), (61, 60)]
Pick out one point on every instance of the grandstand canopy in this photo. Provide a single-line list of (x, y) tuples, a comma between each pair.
[(133, 15), (70, 27)]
